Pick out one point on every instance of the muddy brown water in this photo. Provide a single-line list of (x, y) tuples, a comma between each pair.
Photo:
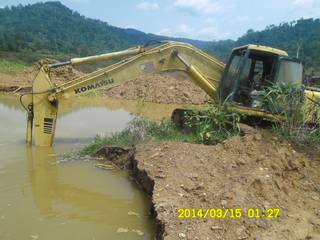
[(42, 197)]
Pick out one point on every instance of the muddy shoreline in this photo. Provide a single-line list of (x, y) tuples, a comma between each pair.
[(240, 173), (124, 158), (14, 89)]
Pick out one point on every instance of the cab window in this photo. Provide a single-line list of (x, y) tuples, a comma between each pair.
[(290, 72), (257, 72)]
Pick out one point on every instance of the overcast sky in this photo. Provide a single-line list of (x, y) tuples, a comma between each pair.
[(197, 19)]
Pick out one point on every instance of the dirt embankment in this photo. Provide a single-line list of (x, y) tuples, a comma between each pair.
[(253, 171), (164, 88)]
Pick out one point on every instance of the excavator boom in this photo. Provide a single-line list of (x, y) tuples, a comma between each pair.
[(203, 69)]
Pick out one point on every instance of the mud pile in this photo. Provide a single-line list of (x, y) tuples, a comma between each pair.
[(166, 88), (247, 172), (23, 80), (59, 75)]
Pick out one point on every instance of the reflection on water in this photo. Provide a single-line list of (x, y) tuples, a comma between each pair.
[(154, 111), (43, 198)]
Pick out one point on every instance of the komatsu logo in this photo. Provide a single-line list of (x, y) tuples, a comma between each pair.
[(94, 86)]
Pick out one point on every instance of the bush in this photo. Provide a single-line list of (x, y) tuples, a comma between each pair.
[(215, 124)]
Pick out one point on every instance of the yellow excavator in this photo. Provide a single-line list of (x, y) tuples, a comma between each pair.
[(240, 81)]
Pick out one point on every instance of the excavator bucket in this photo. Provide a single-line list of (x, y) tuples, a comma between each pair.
[(44, 111)]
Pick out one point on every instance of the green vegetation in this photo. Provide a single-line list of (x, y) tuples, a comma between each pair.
[(211, 126), (215, 124), (139, 131), (288, 102), (11, 67), (51, 28), (303, 34)]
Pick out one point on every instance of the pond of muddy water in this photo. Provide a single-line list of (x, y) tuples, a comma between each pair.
[(44, 198)]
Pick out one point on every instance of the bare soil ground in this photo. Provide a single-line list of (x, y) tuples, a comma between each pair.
[(164, 88), (253, 171)]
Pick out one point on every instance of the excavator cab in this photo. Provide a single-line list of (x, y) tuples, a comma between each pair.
[(251, 69)]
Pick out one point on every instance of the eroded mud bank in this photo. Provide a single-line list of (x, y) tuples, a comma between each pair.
[(252, 171)]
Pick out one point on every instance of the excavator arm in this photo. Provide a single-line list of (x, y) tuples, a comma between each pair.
[(203, 69)]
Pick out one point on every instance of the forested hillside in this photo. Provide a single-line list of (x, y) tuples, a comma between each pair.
[(52, 29), (303, 34)]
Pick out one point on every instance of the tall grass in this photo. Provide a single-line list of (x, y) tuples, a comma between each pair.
[(139, 131), (300, 118), (215, 124), (211, 126)]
